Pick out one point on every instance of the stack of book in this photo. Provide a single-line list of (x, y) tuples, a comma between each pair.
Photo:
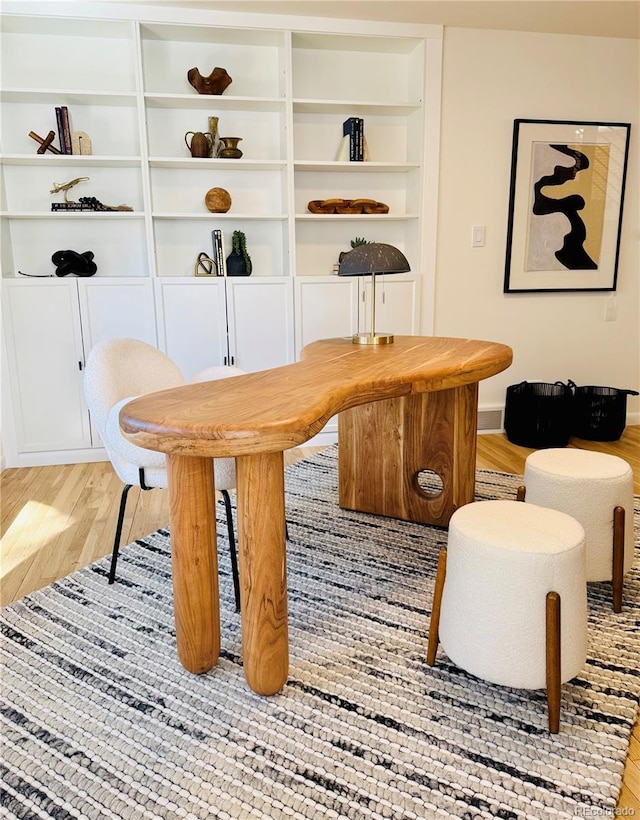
[(353, 131), (219, 256), (64, 129)]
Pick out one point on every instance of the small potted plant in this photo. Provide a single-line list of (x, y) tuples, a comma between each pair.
[(239, 262), (359, 240)]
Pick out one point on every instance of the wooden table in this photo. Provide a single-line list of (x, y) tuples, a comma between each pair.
[(404, 407)]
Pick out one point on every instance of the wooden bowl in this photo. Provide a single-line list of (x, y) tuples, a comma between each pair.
[(376, 208), (348, 207), (217, 200), (319, 206)]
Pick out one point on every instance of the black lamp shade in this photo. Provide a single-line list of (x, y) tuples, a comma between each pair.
[(372, 258)]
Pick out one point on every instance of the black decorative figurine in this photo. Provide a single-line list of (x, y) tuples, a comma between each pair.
[(81, 264)]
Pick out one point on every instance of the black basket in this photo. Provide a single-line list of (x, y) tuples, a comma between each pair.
[(538, 414), (600, 413)]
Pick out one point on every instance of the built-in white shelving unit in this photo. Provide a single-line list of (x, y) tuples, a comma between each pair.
[(122, 72)]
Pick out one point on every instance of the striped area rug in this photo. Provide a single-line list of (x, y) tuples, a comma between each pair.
[(101, 721)]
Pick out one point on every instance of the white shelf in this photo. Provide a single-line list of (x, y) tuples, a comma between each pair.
[(226, 216), (71, 160), (214, 102), (56, 96), (390, 217), (354, 167), (355, 107), (216, 164), (61, 215)]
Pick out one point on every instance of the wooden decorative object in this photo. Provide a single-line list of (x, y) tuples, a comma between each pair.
[(347, 206), (217, 200), (434, 623), (215, 83), (46, 143), (81, 144)]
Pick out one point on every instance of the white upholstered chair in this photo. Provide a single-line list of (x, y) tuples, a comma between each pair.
[(118, 370)]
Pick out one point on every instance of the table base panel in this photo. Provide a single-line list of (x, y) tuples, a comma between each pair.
[(384, 445)]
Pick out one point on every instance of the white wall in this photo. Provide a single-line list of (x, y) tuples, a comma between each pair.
[(491, 78)]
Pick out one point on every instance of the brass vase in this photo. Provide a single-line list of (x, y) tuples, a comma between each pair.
[(230, 148)]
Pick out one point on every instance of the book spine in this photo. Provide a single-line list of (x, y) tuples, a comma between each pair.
[(349, 130), (223, 255), (216, 236), (75, 206), (66, 129), (60, 129), (360, 139)]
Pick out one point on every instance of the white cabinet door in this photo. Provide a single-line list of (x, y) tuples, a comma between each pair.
[(44, 345), (396, 306), (116, 309), (325, 309), (260, 315), (192, 325)]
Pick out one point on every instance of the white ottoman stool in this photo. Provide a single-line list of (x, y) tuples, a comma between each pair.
[(597, 490), (507, 572)]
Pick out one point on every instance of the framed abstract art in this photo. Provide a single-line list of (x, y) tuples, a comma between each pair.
[(565, 205)]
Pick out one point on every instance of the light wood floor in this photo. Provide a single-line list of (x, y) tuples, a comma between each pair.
[(58, 519)]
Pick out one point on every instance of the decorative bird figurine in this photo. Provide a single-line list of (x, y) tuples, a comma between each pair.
[(215, 83), (66, 186)]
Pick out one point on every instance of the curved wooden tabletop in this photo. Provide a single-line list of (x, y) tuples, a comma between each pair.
[(281, 408)]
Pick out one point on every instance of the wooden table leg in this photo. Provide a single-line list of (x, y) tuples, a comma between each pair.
[(384, 445), (263, 571), (194, 561)]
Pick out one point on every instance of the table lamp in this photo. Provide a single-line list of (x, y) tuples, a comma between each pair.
[(373, 258)]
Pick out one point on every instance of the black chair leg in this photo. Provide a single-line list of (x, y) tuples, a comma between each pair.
[(232, 548), (116, 543)]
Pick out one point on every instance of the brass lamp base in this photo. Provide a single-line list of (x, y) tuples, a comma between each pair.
[(372, 339)]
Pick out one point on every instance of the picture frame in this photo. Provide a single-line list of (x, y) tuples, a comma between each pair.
[(565, 205)]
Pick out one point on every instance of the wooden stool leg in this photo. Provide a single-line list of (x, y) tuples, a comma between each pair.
[(618, 557), (553, 661), (522, 491), (432, 647)]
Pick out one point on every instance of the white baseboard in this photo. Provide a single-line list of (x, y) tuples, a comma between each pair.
[(53, 457)]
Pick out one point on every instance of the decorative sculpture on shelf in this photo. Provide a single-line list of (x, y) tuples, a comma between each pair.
[(81, 143), (239, 262), (215, 83), (217, 200), (216, 143), (230, 149), (205, 266), (80, 264), (66, 186), (45, 143), (200, 145), (347, 206), (86, 203)]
